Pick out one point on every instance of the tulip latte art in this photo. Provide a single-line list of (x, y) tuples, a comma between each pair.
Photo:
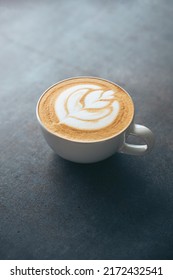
[(85, 109)]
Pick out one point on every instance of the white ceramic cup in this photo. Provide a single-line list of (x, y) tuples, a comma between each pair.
[(88, 152)]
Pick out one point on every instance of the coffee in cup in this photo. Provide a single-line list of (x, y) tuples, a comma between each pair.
[(84, 112), (86, 109)]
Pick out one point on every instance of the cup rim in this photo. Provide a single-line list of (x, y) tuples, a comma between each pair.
[(80, 141)]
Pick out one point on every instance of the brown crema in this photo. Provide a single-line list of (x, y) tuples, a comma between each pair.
[(50, 120)]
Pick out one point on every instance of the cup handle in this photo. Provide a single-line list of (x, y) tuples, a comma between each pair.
[(145, 134)]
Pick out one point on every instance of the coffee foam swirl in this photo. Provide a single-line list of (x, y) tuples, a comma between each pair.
[(86, 107)]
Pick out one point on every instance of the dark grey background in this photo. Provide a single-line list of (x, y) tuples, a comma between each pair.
[(121, 208)]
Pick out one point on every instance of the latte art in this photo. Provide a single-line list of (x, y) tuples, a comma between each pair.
[(86, 107)]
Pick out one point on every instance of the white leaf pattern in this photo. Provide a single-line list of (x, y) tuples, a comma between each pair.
[(87, 107)]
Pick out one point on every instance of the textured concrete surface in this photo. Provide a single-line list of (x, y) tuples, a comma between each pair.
[(121, 208)]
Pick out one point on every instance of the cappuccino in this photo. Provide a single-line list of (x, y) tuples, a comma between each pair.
[(85, 109)]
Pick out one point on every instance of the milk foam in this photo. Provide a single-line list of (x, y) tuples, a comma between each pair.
[(87, 107)]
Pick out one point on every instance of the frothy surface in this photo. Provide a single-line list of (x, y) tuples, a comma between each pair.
[(85, 109)]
